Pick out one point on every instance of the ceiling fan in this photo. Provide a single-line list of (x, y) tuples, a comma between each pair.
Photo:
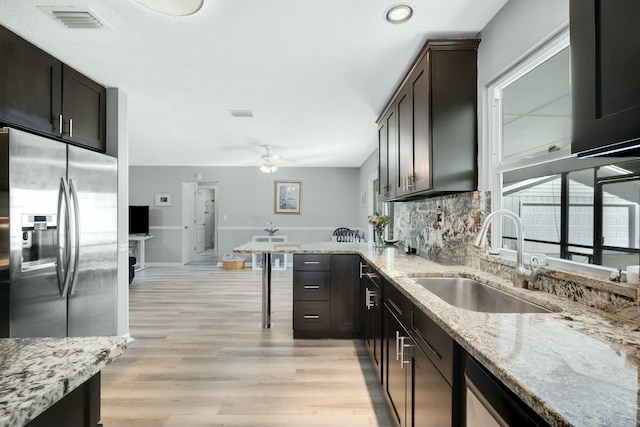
[(269, 161)]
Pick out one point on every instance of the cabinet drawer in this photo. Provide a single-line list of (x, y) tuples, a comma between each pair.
[(315, 262), (311, 286), (312, 316), (435, 342), (397, 302)]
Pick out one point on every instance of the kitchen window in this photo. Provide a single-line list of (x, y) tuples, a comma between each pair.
[(583, 211)]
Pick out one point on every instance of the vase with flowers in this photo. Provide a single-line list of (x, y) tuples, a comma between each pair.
[(271, 228), (379, 222)]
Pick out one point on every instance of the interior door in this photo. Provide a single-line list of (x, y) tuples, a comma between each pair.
[(200, 222), (188, 222)]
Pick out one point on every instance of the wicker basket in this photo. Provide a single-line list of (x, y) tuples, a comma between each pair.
[(233, 265)]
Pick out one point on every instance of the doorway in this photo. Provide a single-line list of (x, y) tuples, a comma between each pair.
[(206, 223)]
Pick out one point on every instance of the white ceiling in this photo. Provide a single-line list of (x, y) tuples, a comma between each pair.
[(316, 73)]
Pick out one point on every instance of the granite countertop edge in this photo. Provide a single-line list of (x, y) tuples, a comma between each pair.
[(589, 330), (38, 372)]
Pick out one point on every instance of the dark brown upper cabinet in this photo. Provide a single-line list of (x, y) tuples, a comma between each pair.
[(434, 112), (387, 150), (605, 88), (38, 93), (31, 85), (84, 106)]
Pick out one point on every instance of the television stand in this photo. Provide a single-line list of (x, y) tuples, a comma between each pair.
[(140, 239)]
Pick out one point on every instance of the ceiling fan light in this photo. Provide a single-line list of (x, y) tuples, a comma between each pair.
[(268, 159), (399, 14), (268, 168)]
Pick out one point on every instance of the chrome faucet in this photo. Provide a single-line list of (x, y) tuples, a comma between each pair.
[(521, 275)]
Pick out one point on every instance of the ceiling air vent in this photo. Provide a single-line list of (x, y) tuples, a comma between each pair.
[(241, 113), (74, 18)]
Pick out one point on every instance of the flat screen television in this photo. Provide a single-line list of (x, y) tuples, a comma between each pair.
[(139, 220)]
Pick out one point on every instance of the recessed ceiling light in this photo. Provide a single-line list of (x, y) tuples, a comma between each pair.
[(399, 13), (173, 7)]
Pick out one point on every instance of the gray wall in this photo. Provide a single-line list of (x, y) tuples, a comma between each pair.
[(367, 169), (245, 201)]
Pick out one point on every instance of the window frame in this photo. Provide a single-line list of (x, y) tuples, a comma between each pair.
[(494, 167)]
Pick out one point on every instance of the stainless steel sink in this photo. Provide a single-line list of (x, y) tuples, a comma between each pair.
[(474, 296)]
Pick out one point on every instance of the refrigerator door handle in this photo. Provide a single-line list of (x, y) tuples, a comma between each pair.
[(76, 236), (63, 254)]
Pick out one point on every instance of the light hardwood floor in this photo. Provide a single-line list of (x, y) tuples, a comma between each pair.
[(199, 359)]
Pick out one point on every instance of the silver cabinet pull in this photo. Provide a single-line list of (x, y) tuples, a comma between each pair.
[(60, 124), (70, 128), (397, 345), (362, 267), (402, 347), (311, 316), (369, 298), (312, 262), (312, 286)]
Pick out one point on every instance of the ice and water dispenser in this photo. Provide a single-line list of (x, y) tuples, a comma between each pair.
[(39, 241)]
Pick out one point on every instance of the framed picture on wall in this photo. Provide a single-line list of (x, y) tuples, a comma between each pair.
[(287, 197), (164, 199)]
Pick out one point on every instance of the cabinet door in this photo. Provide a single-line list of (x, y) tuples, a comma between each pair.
[(405, 143), (432, 396), (421, 93), (30, 84), (383, 158), (605, 92), (345, 292), (387, 154), (83, 110), (377, 333), (454, 153), (371, 323), (395, 370)]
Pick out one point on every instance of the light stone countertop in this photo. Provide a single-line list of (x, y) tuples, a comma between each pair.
[(575, 366), (35, 373)]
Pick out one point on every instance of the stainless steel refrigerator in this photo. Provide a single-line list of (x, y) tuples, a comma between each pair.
[(58, 238)]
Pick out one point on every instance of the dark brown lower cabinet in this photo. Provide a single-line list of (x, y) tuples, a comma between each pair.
[(80, 408), (326, 296), (419, 365), (345, 296), (432, 396), (397, 379), (430, 381), (371, 297)]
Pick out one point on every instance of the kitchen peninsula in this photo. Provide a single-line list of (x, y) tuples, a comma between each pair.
[(573, 366), (44, 379)]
